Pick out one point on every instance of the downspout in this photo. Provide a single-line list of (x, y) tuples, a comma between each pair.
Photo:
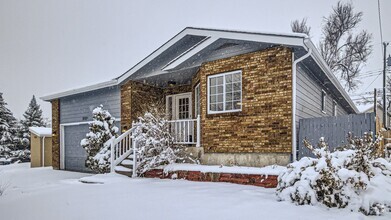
[(294, 67), (43, 151)]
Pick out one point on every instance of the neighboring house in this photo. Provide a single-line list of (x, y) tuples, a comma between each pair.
[(379, 114), (250, 90), (41, 146)]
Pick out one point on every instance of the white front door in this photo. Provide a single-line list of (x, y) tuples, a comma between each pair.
[(179, 106), (182, 106)]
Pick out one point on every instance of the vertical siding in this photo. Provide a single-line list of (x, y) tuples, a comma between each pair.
[(79, 107)]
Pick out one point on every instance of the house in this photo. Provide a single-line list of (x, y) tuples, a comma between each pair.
[(41, 146), (379, 114), (249, 90)]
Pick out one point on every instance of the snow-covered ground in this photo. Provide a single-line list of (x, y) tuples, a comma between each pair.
[(42, 193)]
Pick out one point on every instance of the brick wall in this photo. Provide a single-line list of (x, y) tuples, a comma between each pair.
[(136, 99), (56, 134), (264, 124), (267, 181)]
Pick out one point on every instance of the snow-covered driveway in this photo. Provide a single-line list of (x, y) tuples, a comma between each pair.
[(42, 193)]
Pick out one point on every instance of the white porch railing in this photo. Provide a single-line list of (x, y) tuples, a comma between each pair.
[(186, 131), (121, 147)]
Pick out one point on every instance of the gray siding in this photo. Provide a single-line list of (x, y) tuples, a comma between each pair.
[(308, 97), (79, 107), (75, 155)]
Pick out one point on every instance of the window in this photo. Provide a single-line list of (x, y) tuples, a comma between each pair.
[(335, 108), (323, 104), (197, 106), (225, 92)]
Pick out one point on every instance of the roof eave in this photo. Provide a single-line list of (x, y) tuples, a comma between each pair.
[(102, 85), (323, 65)]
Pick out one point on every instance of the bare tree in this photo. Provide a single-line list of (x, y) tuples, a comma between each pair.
[(301, 26), (343, 50)]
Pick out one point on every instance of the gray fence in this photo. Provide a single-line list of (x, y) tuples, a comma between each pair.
[(333, 129)]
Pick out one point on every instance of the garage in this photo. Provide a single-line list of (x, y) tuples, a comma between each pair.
[(74, 154)]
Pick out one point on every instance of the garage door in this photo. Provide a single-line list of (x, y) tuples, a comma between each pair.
[(75, 155)]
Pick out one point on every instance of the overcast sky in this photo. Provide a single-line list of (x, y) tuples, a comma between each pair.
[(49, 46)]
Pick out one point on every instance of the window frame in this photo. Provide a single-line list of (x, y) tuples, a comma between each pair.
[(335, 108), (197, 100), (224, 92), (323, 102)]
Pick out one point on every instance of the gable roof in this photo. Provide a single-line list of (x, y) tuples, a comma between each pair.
[(192, 46)]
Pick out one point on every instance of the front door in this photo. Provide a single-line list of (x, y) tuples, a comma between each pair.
[(182, 106)]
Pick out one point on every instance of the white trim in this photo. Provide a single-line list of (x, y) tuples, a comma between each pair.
[(292, 39), (189, 53), (224, 102), (197, 96), (326, 69), (62, 139), (294, 87), (335, 108), (80, 90), (174, 104), (323, 101)]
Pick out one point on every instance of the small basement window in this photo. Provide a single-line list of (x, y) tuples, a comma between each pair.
[(225, 92), (323, 101)]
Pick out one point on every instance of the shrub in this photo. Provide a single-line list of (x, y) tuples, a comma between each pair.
[(351, 177), (154, 143), (102, 129)]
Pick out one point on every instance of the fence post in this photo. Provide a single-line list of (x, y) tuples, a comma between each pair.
[(112, 149), (134, 170), (198, 144)]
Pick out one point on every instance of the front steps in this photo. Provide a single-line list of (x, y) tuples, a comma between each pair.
[(125, 167)]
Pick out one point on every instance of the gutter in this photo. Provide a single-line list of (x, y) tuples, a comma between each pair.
[(294, 69)]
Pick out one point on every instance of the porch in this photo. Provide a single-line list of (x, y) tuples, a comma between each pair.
[(172, 96)]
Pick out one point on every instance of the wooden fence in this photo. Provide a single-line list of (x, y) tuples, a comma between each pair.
[(333, 129)]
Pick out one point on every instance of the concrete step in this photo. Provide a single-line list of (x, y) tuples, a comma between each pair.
[(123, 170)]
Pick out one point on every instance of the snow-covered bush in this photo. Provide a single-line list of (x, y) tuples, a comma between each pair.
[(154, 143), (102, 129), (351, 177), (21, 155)]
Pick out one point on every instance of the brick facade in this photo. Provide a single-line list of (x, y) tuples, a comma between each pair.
[(136, 99), (267, 181), (264, 124), (56, 134)]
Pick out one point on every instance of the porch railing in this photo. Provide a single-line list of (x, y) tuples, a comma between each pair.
[(186, 131)]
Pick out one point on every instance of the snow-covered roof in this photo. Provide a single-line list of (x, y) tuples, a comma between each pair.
[(184, 51), (41, 131)]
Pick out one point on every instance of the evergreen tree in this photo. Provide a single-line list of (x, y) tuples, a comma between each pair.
[(7, 128), (32, 118), (102, 129)]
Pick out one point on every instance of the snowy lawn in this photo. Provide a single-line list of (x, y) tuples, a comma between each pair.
[(42, 193)]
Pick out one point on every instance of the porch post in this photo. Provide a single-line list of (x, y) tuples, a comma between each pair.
[(134, 170), (112, 148), (198, 144)]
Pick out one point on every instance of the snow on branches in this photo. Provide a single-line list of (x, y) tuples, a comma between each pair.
[(102, 129), (352, 177), (154, 143)]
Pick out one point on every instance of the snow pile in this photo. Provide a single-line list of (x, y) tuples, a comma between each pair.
[(350, 178), (154, 143), (103, 178), (96, 143), (268, 170)]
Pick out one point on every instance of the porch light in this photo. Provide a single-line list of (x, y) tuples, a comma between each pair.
[(171, 83)]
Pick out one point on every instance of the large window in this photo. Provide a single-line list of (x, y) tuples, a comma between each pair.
[(197, 106), (225, 92)]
